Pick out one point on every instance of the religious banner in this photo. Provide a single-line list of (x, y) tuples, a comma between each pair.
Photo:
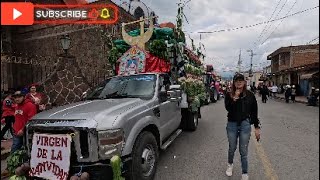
[(50, 156), (132, 62)]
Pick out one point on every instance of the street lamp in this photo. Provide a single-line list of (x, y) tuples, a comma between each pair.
[(65, 42)]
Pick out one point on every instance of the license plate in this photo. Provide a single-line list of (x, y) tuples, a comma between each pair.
[(50, 156)]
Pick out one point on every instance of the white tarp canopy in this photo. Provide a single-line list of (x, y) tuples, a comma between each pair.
[(309, 75)]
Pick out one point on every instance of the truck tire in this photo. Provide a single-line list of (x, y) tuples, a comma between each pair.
[(193, 121), (190, 120), (144, 157)]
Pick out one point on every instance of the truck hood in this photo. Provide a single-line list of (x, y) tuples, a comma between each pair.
[(89, 113)]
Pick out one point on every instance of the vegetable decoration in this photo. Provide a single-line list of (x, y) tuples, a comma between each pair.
[(195, 90), (16, 164), (116, 167)]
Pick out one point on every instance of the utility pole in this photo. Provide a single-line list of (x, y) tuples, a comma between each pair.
[(239, 62), (251, 54)]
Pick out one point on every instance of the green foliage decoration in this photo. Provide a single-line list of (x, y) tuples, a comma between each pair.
[(15, 160), (158, 47)]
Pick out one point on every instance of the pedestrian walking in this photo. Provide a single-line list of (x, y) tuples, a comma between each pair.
[(37, 98), (7, 114), (312, 98), (287, 93), (242, 108), (259, 89), (293, 93), (274, 90), (264, 93), (24, 111)]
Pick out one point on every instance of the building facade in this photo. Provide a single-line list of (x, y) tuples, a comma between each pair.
[(254, 79), (267, 76), (296, 65)]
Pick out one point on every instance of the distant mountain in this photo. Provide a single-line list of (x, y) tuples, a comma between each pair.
[(226, 75)]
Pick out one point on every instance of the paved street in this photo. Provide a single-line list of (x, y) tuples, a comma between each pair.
[(289, 148)]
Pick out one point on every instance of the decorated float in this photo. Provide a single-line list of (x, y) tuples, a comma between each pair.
[(160, 49)]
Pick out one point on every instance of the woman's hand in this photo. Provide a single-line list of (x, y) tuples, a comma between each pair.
[(257, 133), (236, 95), (42, 107)]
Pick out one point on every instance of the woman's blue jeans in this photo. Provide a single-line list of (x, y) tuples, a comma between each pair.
[(235, 131)]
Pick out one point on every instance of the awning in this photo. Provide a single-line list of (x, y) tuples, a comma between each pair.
[(309, 75)]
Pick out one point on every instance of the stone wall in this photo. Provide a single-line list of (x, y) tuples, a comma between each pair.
[(66, 84)]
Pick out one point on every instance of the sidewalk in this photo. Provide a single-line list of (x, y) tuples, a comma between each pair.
[(5, 148), (299, 99)]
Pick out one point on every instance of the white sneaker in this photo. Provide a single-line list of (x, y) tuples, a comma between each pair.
[(229, 170), (245, 177)]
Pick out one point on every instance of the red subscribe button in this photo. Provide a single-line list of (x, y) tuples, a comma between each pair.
[(17, 13), (59, 14)]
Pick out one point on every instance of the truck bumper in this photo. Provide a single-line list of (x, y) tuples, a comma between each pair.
[(96, 171), (99, 171)]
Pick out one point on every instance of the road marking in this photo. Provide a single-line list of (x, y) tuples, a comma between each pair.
[(268, 170)]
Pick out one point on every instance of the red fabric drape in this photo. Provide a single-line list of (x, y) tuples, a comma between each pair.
[(155, 64)]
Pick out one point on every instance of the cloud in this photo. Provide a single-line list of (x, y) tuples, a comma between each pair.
[(224, 47)]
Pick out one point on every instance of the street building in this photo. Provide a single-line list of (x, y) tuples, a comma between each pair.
[(254, 79), (296, 65), (266, 76)]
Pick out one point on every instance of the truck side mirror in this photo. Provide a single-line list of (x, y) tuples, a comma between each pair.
[(174, 93)]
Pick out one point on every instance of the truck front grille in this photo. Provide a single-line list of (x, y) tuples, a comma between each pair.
[(83, 144)]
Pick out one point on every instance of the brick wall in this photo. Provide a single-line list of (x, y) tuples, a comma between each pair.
[(87, 45), (284, 62), (274, 65), (304, 56), (300, 56)]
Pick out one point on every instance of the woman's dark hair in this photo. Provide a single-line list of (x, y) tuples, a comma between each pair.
[(233, 89)]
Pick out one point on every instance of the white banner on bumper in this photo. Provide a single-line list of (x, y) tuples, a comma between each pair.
[(50, 156)]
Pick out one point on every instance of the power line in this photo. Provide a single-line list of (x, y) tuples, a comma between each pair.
[(313, 40), (280, 22), (260, 23), (275, 17), (267, 24)]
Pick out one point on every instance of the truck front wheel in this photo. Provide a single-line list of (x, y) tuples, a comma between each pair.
[(144, 157)]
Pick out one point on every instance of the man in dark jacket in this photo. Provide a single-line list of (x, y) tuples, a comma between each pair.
[(242, 108), (264, 93), (24, 111), (287, 93)]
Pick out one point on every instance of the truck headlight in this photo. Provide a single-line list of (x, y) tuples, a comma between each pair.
[(110, 143)]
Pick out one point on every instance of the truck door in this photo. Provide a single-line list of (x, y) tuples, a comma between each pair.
[(170, 115)]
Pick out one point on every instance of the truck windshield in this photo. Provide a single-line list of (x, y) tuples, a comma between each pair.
[(134, 86)]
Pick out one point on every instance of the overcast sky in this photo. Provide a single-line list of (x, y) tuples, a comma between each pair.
[(222, 48)]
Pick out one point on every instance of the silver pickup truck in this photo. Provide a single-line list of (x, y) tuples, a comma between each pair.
[(131, 116)]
